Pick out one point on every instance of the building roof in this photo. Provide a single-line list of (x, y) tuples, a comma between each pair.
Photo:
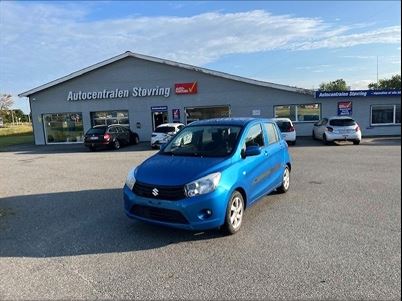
[(170, 63)]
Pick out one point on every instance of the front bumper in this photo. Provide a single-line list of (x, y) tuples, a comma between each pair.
[(191, 209)]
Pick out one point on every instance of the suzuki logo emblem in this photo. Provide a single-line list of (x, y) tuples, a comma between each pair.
[(155, 192)]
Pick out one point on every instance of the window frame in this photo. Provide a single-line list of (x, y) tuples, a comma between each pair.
[(278, 138), (393, 115), (297, 111)]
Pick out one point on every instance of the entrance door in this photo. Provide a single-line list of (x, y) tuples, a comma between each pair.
[(159, 116)]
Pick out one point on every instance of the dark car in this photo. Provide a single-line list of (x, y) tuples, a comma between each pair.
[(112, 136)]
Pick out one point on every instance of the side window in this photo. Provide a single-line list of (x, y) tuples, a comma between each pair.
[(324, 121), (255, 136), (272, 133)]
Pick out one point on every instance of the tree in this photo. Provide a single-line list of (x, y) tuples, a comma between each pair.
[(6, 101), (393, 83), (337, 85)]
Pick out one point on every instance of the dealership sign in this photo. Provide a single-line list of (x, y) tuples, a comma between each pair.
[(345, 108), (186, 88), (356, 93), (118, 93)]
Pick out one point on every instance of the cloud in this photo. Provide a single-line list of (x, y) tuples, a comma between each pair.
[(36, 38)]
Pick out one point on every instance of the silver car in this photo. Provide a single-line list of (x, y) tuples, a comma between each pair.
[(337, 129)]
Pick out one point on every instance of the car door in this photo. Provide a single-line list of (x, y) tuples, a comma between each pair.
[(254, 167), (321, 127), (274, 156)]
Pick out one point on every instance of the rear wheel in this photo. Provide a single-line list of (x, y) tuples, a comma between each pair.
[(234, 213), (356, 142), (136, 139), (116, 144), (92, 149), (285, 181)]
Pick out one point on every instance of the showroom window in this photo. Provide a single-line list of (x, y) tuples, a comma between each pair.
[(63, 128), (200, 113), (109, 118), (385, 114), (299, 113)]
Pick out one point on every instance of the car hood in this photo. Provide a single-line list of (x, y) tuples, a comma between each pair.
[(177, 170)]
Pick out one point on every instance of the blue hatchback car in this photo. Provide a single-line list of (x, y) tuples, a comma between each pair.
[(208, 174)]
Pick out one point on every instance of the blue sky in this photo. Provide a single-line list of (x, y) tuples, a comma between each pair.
[(297, 43)]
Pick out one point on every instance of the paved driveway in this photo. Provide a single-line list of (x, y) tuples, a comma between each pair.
[(336, 234)]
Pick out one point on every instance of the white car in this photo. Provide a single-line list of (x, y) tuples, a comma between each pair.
[(164, 132), (337, 129), (287, 129)]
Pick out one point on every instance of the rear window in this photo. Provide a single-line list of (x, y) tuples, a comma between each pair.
[(284, 126), (342, 122), (97, 131), (165, 129)]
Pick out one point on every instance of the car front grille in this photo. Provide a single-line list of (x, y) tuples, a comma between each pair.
[(171, 193), (159, 214)]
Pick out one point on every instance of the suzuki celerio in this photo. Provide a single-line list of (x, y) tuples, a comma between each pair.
[(208, 174)]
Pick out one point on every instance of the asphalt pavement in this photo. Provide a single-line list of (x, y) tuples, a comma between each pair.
[(335, 235)]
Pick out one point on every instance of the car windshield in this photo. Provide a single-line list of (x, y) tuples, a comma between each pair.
[(165, 129), (342, 122), (204, 141), (97, 131), (284, 126)]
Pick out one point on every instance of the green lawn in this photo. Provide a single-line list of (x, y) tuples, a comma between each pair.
[(17, 134)]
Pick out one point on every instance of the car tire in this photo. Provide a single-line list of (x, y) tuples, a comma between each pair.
[(313, 135), (324, 140), (356, 142), (136, 140), (116, 144), (92, 149), (285, 181), (234, 214), (293, 143)]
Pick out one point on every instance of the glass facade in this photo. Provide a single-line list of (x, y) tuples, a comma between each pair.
[(299, 113), (63, 128), (109, 118), (385, 114), (200, 113)]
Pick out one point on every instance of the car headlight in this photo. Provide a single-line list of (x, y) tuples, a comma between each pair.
[(130, 181), (203, 185)]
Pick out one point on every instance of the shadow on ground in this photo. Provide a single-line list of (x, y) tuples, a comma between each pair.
[(76, 223), (26, 149)]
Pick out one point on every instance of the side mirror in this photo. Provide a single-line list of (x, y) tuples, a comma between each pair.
[(250, 151)]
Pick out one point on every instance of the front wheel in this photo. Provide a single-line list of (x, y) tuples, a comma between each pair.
[(234, 213), (325, 140), (285, 181)]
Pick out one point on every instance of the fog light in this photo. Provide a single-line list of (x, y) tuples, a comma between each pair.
[(205, 213)]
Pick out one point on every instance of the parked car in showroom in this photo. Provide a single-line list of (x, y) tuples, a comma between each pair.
[(287, 129), (164, 132), (109, 136), (337, 129), (208, 174)]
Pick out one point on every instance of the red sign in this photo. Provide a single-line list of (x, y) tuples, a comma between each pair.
[(186, 88)]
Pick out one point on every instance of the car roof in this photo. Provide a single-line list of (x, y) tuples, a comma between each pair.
[(281, 119), (170, 124), (339, 117), (239, 121)]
